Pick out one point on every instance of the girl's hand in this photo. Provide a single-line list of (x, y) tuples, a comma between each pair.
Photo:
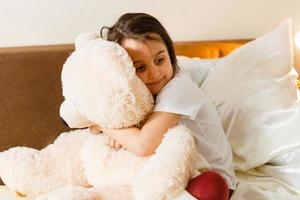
[(114, 144), (95, 129)]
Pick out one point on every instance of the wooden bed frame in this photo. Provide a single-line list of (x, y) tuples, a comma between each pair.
[(30, 88), (207, 49)]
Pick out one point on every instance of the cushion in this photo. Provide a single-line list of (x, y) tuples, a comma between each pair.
[(197, 68), (255, 93)]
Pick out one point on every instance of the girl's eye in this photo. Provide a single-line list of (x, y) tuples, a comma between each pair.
[(140, 68), (160, 61)]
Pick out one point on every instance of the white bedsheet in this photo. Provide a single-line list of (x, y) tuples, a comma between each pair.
[(255, 185)]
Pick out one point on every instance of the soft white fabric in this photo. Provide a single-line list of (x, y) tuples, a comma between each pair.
[(197, 68), (182, 96), (249, 88), (256, 185), (255, 94), (285, 167)]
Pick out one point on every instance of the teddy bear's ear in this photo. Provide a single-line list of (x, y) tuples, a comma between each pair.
[(83, 38), (72, 117)]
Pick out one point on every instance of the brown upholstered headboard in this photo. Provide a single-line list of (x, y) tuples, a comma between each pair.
[(30, 89)]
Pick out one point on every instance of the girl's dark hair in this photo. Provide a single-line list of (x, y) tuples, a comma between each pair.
[(140, 26)]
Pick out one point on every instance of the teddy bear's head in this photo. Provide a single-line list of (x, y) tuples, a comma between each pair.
[(100, 86)]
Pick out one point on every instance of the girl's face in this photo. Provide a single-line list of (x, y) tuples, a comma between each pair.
[(152, 62)]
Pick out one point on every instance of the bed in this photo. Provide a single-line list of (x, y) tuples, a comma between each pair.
[(31, 88), (30, 91)]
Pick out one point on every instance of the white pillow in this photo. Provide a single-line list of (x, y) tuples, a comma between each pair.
[(255, 95), (197, 68)]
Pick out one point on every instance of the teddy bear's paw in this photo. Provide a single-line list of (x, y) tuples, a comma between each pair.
[(70, 192), (16, 168), (32, 172)]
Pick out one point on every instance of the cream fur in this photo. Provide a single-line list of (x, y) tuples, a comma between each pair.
[(71, 193), (167, 172), (122, 99), (32, 172), (100, 86)]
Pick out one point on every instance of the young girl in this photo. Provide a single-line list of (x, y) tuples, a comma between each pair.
[(177, 99)]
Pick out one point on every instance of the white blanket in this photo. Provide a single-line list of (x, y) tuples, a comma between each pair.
[(279, 178)]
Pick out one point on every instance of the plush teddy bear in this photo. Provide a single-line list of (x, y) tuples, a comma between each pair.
[(100, 87)]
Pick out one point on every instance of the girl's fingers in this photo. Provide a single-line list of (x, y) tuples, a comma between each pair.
[(111, 143), (118, 146), (95, 129), (114, 144)]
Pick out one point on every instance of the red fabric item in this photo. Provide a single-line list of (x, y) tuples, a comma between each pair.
[(208, 186)]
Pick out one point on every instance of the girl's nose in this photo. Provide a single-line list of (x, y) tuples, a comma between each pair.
[(154, 73)]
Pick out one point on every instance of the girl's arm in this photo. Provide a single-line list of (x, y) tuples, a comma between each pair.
[(143, 142)]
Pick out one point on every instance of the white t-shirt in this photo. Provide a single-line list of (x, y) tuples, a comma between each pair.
[(182, 96)]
